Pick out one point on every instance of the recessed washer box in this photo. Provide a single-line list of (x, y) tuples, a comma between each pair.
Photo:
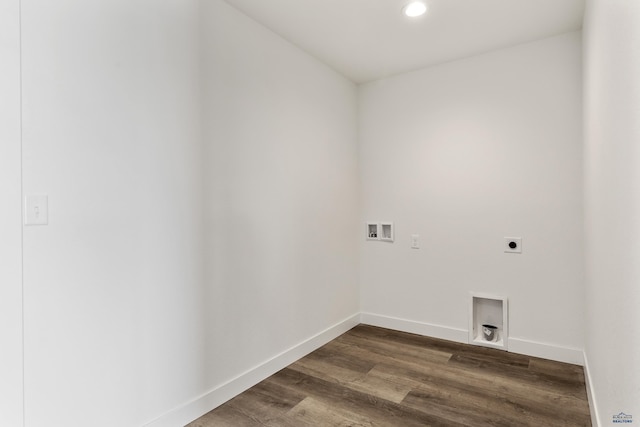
[(373, 232), (386, 231), (513, 245), (382, 231)]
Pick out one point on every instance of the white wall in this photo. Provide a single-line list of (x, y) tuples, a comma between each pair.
[(282, 193), (202, 225), (173, 261), (466, 153), (10, 221), (612, 215), (113, 286)]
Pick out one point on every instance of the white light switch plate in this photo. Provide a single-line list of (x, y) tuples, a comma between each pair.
[(36, 210), (415, 241)]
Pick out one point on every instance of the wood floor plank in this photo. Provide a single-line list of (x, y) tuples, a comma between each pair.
[(225, 416), (382, 411), (435, 344), (255, 407), (531, 397), (514, 376), (384, 347), (489, 406), (337, 357), (377, 354), (440, 402), (378, 377), (326, 370), (370, 382), (559, 370), (314, 412), (381, 386)]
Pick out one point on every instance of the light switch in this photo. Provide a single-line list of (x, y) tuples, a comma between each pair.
[(36, 210), (415, 241)]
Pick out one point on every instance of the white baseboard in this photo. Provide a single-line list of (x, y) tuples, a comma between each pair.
[(590, 393), (530, 348), (413, 327), (546, 351), (199, 406)]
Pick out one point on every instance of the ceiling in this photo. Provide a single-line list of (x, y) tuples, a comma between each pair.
[(370, 39)]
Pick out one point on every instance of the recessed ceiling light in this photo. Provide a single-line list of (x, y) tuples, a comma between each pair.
[(415, 9)]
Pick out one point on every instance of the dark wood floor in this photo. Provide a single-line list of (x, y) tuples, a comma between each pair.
[(378, 377)]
